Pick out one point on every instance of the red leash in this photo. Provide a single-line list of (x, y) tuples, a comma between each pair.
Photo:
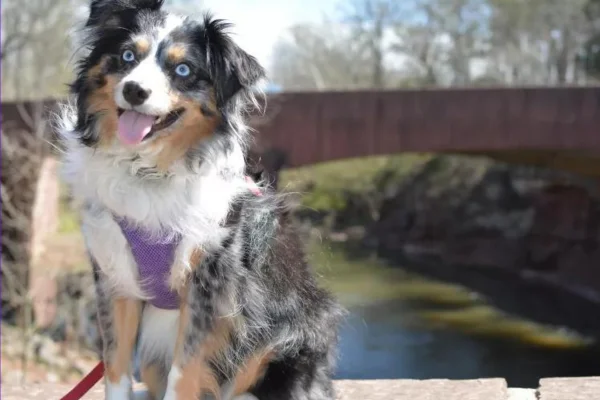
[(86, 383)]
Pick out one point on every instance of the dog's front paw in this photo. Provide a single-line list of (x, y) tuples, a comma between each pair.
[(121, 390), (172, 379)]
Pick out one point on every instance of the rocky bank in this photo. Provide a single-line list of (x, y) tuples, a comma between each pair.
[(499, 228)]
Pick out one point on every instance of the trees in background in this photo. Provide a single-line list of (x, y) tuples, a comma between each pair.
[(35, 47), (590, 56), (442, 39), (424, 43), (317, 58), (538, 41), (368, 22)]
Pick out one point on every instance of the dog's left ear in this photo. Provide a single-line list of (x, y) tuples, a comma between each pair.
[(232, 69), (242, 72)]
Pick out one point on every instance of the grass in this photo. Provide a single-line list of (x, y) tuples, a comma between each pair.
[(331, 182)]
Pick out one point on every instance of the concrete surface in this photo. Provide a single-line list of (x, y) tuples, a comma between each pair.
[(480, 389)]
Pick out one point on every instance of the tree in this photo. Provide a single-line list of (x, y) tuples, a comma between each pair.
[(351, 52), (370, 22), (319, 58), (589, 59), (35, 47), (538, 41), (423, 53), (441, 39)]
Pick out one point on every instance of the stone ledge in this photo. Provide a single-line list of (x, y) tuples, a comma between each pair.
[(435, 389)]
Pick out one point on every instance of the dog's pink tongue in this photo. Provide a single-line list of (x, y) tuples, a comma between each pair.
[(134, 126)]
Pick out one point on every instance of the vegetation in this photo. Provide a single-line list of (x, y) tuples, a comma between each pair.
[(432, 43), (329, 186)]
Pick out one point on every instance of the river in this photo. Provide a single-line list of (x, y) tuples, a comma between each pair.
[(401, 325)]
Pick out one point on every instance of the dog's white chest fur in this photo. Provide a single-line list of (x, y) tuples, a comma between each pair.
[(155, 208)]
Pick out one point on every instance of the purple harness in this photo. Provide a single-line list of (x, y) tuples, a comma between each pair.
[(154, 260)]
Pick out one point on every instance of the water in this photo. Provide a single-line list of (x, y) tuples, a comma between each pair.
[(401, 325)]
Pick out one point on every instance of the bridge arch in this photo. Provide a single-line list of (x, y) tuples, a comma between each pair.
[(554, 127)]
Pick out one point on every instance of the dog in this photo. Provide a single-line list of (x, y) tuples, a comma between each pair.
[(198, 269)]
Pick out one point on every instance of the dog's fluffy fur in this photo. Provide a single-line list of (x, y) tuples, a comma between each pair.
[(252, 319)]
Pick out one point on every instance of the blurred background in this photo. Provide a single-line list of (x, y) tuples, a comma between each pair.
[(439, 150)]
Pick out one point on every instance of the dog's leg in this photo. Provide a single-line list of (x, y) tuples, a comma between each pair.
[(247, 376), (119, 319), (202, 334), (191, 375), (154, 378), (204, 341)]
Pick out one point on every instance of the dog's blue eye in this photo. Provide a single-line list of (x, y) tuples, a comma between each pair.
[(182, 70), (128, 56)]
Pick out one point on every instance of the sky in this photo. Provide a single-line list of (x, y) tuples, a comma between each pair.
[(258, 24)]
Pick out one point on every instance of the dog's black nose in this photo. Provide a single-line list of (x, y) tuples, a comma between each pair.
[(135, 94)]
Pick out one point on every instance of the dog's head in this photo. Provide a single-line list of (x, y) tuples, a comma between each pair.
[(153, 79)]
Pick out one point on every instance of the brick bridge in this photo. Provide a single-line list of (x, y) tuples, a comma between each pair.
[(553, 127)]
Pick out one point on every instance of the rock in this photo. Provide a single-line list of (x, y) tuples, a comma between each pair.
[(531, 224)]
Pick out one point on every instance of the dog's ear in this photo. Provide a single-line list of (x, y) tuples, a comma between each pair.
[(232, 69), (111, 13), (245, 71)]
